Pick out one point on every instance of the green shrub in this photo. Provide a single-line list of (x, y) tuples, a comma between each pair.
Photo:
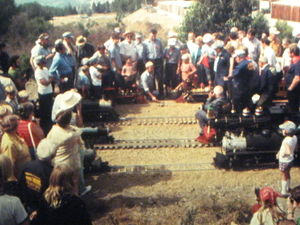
[(260, 24), (286, 31)]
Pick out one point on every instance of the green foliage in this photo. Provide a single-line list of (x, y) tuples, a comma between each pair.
[(286, 31), (260, 24), (28, 29), (7, 11), (37, 10), (216, 16), (122, 7), (101, 7), (25, 64)]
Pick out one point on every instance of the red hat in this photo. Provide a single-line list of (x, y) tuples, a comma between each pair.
[(268, 194)]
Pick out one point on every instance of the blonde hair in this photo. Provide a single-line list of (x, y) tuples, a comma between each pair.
[(61, 181), (6, 167)]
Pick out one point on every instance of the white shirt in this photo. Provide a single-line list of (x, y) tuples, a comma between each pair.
[(128, 49), (40, 74), (270, 55), (253, 47), (291, 142), (95, 76), (12, 211), (286, 59), (262, 218)]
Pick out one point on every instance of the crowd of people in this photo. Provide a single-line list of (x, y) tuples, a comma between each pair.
[(41, 163)]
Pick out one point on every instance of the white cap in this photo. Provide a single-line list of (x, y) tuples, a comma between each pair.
[(148, 64), (185, 56), (239, 53), (288, 125), (207, 38), (172, 42), (172, 34), (218, 44), (64, 102), (68, 34)]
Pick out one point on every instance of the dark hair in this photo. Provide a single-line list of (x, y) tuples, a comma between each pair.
[(10, 123), (295, 194), (233, 35), (59, 47), (294, 49), (252, 32), (115, 36), (64, 119), (153, 31), (266, 41), (2, 45), (13, 60), (25, 110), (101, 47)]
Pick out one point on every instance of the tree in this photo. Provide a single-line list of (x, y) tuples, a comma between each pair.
[(216, 16), (7, 11), (260, 24)]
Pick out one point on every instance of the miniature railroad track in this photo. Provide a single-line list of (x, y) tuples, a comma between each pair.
[(152, 143), (148, 121)]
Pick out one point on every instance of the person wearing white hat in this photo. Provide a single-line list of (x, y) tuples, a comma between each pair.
[(147, 81), (208, 51), (172, 57), (41, 48), (128, 47), (275, 41), (285, 154), (65, 139)]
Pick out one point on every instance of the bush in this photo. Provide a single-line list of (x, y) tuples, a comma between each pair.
[(286, 31), (7, 11)]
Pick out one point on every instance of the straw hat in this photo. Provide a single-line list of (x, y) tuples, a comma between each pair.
[(9, 89), (65, 102), (81, 40), (23, 94), (207, 38), (148, 64), (288, 125), (127, 33), (5, 109), (44, 36)]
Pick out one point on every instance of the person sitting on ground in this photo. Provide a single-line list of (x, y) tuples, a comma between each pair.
[(28, 129), (268, 213), (64, 207), (286, 154), (12, 211), (147, 81), (12, 145), (129, 73), (214, 106)]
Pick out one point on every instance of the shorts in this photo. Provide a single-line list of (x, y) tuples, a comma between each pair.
[(283, 166)]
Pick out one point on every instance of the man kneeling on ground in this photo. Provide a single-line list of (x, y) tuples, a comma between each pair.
[(147, 81)]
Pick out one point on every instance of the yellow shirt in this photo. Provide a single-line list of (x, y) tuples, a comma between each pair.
[(16, 149)]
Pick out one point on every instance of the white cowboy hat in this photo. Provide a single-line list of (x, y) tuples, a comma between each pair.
[(64, 102), (207, 38), (273, 30)]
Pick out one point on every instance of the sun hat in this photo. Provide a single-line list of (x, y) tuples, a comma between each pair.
[(10, 89), (148, 64), (218, 44), (207, 38), (171, 42), (288, 125), (5, 109), (65, 102), (68, 34), (239, 53), (23, 94), (127, 32), (268, 194), (185, 56), (172, 34), (81, 40), (138, 35)]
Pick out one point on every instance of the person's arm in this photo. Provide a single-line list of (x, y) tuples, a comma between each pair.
[(53, 68), (193, 69), (294, 83), (37, 131), (20, 215)]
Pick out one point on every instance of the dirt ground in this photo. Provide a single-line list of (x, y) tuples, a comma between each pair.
[(169, 186)]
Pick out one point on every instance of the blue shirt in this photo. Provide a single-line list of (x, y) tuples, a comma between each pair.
[(114, 51), (147, 81), (154, 49), (172, 56), (83, 80), (60, 66)]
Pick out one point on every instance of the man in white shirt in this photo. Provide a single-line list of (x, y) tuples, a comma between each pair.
[(252, 44), (268, 52), (128, 47)]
